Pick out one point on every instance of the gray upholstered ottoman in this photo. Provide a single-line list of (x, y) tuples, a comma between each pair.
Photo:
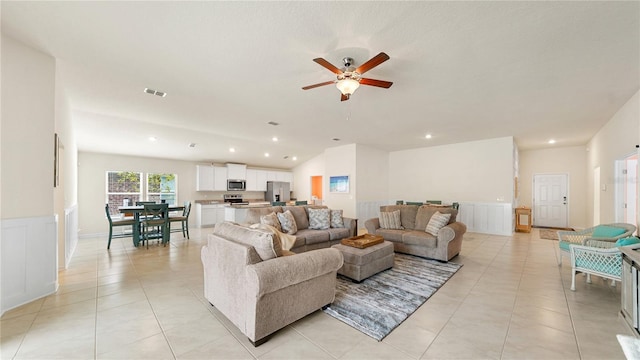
[(359, 264)]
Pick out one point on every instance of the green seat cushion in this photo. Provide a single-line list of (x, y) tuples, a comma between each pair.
[(564, 245), (603, 231), (627, 241)]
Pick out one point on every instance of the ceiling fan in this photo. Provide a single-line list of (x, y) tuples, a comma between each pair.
[(349, 78)]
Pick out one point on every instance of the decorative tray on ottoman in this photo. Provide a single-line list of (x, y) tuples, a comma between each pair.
[(362, 241)]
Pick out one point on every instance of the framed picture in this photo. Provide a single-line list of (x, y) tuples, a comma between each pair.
[(56, 160), (339, 184)]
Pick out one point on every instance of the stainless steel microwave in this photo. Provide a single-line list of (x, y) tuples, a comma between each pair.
[(236, 185)]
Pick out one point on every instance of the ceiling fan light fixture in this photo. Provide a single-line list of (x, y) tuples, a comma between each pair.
[(347, 86)]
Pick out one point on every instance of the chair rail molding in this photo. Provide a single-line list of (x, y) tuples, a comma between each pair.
[(29, 255)]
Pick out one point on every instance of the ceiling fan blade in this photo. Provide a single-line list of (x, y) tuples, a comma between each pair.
[(318, 85), (374, 82), (328, 65), (344, 97), (373, 62)]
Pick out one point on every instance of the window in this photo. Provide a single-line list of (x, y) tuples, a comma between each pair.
[(162, 187), (123, 188)]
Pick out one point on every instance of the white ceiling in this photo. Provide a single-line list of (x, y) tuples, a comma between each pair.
[(462, 71)]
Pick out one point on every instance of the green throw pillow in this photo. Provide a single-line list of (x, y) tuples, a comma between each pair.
[(627, 241), (603, 231)]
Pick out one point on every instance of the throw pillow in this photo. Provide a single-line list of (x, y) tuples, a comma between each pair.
[(390, 220), (627, 241), (336, 219), (437, 222), (319, 219), (271, 219), (288, 222), (604, 231)]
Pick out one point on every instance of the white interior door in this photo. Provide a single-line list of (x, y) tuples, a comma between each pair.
[(626, 200), (550, 202)]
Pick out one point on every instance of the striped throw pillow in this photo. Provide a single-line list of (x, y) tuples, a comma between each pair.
[(437, 222), (390, 220)]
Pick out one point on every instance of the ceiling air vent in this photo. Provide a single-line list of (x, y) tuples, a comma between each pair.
[(155, 92)]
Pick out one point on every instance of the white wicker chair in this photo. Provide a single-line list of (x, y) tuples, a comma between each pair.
[(592, 260), (568, 238)]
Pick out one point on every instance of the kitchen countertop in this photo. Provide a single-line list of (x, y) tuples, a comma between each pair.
[(632, 254)]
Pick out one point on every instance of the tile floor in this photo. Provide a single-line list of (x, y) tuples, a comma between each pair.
[(509, 301)]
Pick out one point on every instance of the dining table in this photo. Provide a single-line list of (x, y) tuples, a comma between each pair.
[(137, 210)]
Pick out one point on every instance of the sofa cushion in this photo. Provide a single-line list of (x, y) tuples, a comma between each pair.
[(271, 220), (627, 241), (313, 236), (437, 222), (319, 219), (390, 220), (391, 235), (425, 212), (300, 215), (407, 214), (253, 214), (336, 219), (266, 244), (288, 222), (604, 231), (421, 238), (338, 233)]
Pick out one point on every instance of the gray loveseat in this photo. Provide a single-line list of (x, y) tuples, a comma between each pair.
[(257, 286), (306, 239), (414, 240)]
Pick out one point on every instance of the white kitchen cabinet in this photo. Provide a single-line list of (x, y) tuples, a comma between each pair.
[(261, 180), (208, 215), (220, 178), (252, 181), (236, 171), (204, 178)]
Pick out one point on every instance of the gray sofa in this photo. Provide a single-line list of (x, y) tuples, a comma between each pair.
[(258, 286), (414, 240), (306, 239)]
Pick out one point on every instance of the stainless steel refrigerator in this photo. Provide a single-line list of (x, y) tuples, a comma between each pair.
[(278, 191)]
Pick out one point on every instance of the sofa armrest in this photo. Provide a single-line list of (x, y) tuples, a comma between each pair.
[(275, 274), (372, 225), (449, 232), (350, 224)]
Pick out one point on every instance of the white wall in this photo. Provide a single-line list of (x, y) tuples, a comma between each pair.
[(28, 103), (557, 160), (372, 169), (302, 176), (614, 141), (476, 171), (339, 161)]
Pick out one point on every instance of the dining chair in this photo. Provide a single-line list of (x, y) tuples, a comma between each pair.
[(112, 223), (435, 202), (278, 203), (183, 219), (155, 224), (455, 205), (419, 203), (301, 202), (140, 203), (399, 202)]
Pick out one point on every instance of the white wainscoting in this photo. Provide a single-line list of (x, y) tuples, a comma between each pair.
[(366, 210), (70, 233), (487, 218), (29, 260)]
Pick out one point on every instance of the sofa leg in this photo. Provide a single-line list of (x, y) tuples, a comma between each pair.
[(260, 342), (326, 306)]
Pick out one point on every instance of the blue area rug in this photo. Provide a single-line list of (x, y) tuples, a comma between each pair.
[(380, 303)]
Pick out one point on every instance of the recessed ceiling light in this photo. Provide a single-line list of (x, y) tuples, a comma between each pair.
[(266, 154), (275, 139), (155, 92), (192, 145), (428, 136), (273, 123), (232, 150), (153, 138), (294, 158), (335, 139), (551, 141)]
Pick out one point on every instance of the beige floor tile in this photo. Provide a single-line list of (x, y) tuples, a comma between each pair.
[(224, 348), (539, 342), (372, 349), (296, 347), (410, 339), (468, 340), (29, 308), (195, 334), (9, 346), (73, 297), (122, 333), (334, 337), (153, 348)]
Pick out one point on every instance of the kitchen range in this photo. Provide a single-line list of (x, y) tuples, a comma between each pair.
[(234, 199)]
